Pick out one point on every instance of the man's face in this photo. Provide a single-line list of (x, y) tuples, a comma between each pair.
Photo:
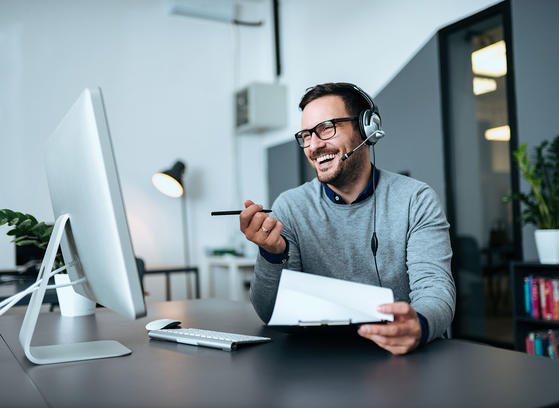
[(325, 156)]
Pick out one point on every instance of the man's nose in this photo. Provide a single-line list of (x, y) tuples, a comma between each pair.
[(316, 142)]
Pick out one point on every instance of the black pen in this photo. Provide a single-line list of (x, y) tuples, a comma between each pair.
[(235, 212)]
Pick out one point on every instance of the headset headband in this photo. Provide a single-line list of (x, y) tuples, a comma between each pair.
[(365, 95)]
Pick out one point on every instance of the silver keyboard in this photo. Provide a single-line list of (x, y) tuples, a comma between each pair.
[(206, 338)]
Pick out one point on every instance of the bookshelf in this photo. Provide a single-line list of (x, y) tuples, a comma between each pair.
[(523, 322)]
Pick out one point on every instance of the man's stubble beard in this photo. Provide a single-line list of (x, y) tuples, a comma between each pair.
[(347, 172)]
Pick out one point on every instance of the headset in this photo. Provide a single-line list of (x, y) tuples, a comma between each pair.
[(370, 122)]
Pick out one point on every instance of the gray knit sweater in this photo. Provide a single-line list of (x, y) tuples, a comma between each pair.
[(334, 240)]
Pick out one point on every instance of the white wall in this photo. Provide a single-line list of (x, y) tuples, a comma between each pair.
[(168, 85)]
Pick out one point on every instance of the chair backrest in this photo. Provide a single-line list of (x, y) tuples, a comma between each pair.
[(468, 255)]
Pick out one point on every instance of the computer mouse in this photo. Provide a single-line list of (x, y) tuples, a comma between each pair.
[(162, 324)]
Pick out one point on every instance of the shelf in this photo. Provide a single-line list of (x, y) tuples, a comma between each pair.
[(535, 265), (524, 319), (523, 323)]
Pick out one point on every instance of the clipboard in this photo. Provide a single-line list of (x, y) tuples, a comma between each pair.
[(306, 301), (323, 327)]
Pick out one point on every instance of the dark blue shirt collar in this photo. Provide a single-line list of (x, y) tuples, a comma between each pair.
[(337, 199)]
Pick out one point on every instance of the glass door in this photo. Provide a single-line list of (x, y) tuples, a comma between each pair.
[(476, 81)]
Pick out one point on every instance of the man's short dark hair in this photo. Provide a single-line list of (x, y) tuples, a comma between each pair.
[(354, 101)]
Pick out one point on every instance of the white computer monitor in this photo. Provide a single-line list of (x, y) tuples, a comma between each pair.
[(90, 226)]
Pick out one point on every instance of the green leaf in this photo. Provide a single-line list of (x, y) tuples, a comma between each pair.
[(9, 213), (47, 232), (33, 219), (541, 171), (26, 242), (36, 229)]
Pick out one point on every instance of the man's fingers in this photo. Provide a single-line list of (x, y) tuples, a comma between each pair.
[(384, 341), (262, 229), (256, 222), (248, 214), (396, 345), (382, 329), (400, 336), (397, 308), (274, 240), (268, 224), (397, 350)]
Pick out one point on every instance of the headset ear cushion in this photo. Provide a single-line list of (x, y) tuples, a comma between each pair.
[(376, 120), (364, 120), (368, 123)]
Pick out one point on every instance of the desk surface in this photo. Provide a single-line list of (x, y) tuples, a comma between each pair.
[(292, 370)]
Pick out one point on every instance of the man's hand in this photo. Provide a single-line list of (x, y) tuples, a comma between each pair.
[(400, 336), (262, 229)]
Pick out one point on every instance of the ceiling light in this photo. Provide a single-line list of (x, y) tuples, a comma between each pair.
[(484, 85), (491, 60), (500, 134)]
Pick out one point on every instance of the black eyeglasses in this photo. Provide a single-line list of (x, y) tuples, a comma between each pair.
[(324, 130)]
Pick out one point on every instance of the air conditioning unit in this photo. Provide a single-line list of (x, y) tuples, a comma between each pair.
[(260, 107)]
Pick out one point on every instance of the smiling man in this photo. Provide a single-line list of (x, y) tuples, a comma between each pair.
[(327, 226)]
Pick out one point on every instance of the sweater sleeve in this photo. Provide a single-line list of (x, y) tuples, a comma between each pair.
[(265, 282), (432, 290)]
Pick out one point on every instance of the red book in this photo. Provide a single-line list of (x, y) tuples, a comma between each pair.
[(555, 283), (530, 344), (535, 298), (549, 299)]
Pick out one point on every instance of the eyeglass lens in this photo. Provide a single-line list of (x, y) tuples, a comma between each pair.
[(324, 131)]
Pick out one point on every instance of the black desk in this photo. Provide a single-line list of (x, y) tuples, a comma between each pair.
[(17, 388), (290, 371)]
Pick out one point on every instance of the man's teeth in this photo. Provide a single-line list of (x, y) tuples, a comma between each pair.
[(325, 157)]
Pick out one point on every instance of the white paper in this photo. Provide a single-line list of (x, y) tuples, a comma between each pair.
[(304, 298)]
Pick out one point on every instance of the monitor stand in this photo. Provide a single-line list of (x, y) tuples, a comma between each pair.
[(59, 353)]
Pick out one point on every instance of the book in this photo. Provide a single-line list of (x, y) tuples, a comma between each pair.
[(554, 351), (527, 297), (543, 343), (530, 343), (538, 344), (555, 283), (535, 298), (543, 299), (549, 299)]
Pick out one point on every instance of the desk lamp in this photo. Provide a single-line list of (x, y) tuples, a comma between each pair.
[(170, 183)]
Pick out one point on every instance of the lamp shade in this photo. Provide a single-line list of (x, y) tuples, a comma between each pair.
[(169, 182)]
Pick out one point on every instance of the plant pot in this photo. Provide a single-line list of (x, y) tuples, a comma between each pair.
[(72, 303), (547, 243)]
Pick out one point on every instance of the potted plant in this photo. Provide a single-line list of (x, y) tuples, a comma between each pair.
[(541, 203), (28, 231)]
